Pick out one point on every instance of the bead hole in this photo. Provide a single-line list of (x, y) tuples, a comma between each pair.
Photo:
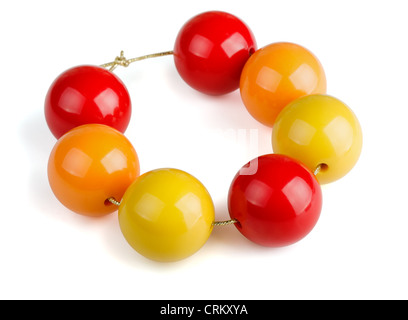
[(323, 167), (238, 224), (111, 201), (251, 51), (320, 168)]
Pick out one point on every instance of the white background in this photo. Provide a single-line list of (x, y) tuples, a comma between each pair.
[(358, 250)]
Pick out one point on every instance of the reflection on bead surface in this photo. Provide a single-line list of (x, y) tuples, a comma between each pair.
[(211, 50), (276, 75), (277, 205), (166, 215), (319, 129), (90, 164), (84, 95)]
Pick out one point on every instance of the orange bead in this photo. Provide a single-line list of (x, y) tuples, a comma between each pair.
[(275, 76), (90, 164)]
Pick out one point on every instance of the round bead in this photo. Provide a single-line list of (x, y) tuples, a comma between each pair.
[(276, 75), (278, 204), (84, 95), (166, 215), (211, 50), (319, 130), (90, 164)]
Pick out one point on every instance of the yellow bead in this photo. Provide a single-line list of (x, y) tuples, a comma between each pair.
[(166, 215), (319, 130)]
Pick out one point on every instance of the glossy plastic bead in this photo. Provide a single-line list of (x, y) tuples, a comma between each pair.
[(90, 164), (166, 215), (319, 130), (211, 50), (277, 205), (276, 75), (84, 95)]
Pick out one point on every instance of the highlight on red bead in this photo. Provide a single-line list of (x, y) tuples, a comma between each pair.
[(278, 204), (84, 95), (210, 51), (90, 164)]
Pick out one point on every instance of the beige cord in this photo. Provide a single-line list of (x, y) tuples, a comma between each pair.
[(122, 61), (215, 223)]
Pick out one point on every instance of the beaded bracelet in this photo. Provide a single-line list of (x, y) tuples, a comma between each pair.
[(167, 214)]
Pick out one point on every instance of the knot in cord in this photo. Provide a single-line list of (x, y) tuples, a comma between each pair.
[(121, 61)]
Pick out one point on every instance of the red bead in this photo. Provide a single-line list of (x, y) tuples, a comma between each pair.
[(85, 95), (276, 200), (211, 50)]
